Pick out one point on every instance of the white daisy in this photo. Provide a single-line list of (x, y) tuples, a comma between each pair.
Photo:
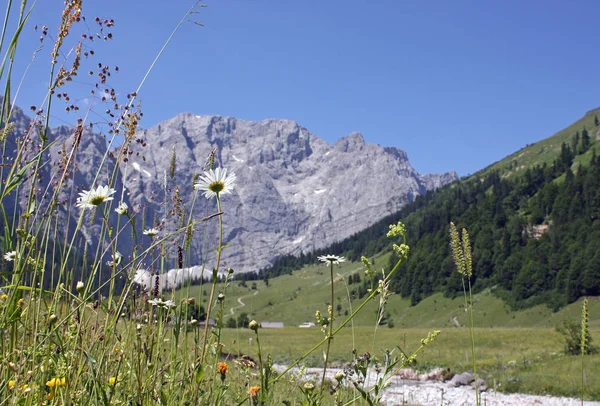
[(215, 182), (116, 259), (93, 198), (11, 256), (80, 286), (151, 232), (122, 209), (331, 259), (158, 302)]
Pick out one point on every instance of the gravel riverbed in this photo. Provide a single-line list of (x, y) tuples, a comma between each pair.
[(434, 393)]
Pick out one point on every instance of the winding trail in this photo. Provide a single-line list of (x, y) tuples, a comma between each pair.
[(242, 304)]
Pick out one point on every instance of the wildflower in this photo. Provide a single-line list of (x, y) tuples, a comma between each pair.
[(119, 347), (122, 209), (93, 198), (461, 251), (367, 265), (4, 296), (193, 322), (116, 259), (11, 384), (222, 368), (80, 287), (331, 259), (215, 182), (52, 318), (339, 376), (11, 256), (25, 388), (56, 382), (158, 302), (253, 325), (253, 391), (309, 386), (112, 381), (50, 395), (221, 297), (584, 328), (401, 250), (151, 232), (396, 230)]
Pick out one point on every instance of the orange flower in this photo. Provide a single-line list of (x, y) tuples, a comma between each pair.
[(253, 391), (222, 368)]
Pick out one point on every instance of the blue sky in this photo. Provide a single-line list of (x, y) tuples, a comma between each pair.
[(456, 84)]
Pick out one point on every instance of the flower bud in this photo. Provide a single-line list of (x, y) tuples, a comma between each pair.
[(253, 325), (80, 287)]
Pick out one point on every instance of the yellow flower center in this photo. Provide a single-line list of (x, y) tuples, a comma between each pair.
[(96, 200), (216, 187)]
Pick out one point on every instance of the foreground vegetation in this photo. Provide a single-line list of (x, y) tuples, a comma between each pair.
[(78, 327), (529, 360)]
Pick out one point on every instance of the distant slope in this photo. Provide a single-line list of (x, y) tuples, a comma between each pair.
[(535, 227), (546, 150), (293, 299)]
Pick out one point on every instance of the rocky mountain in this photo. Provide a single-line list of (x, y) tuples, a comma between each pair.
[(294, 192)]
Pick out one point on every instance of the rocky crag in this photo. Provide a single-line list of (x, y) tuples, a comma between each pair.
[(294, 192)]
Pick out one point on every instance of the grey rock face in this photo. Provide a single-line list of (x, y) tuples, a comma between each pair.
[(294, 192)]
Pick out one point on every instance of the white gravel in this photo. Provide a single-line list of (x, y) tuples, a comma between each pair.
[(432, 393), (402, 392)]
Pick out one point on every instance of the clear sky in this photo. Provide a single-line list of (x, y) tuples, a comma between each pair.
[(456, 84)]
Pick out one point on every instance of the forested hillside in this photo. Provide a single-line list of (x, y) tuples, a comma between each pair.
[(535, 234)]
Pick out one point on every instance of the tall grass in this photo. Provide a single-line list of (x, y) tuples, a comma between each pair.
[(461, 253), (77, 326)]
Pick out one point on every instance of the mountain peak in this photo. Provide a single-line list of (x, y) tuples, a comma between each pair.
[(350, 143)]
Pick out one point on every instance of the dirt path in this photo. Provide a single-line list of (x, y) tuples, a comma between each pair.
[(242, 304)]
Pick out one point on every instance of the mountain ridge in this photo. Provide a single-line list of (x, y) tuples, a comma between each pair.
[(295, 192), (304, 192)]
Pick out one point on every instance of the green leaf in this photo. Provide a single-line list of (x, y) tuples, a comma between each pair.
[(199, 372)]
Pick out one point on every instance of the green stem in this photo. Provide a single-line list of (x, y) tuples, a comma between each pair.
[(330, 334), (469, 307), (214, 281), (263, 384)]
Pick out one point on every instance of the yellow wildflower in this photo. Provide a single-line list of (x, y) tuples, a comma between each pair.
[(11, 384), (4, 296), (112, 381), (55, 382)]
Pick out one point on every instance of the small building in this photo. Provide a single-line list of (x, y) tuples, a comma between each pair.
[(271, 324), (211, 323)]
